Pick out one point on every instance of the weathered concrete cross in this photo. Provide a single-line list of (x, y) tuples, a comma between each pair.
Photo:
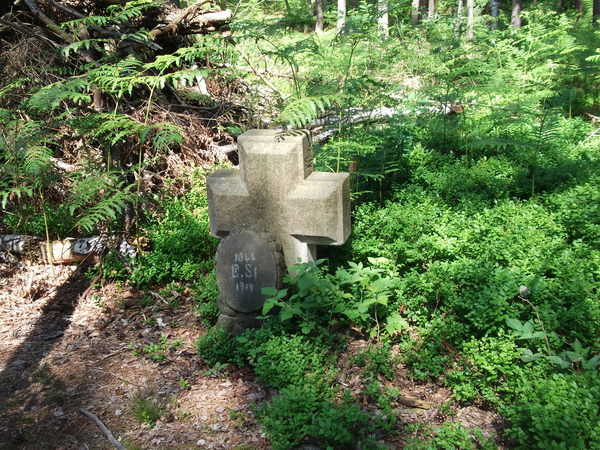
[(277, 191)]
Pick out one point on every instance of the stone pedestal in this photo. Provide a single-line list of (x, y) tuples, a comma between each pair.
[(247, 261)]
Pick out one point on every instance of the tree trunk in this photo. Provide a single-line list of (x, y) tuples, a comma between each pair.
[(415, 13), (595, 12), (341, 17), (382, 20), (431, 9), (470, 15), (495, 11), (419, 10), (319, 24), (517, 6), (459, 17)]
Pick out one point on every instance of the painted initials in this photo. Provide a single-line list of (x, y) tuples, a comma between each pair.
[(244, 271)]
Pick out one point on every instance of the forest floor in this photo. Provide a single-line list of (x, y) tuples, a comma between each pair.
[(68, 345)]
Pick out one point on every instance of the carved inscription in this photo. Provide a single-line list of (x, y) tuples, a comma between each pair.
[(244, 271)]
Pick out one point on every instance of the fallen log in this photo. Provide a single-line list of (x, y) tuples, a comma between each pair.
[(64, 251)]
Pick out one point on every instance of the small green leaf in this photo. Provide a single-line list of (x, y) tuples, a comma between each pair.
[(339, 308), (267, 306), (515, 324), (286, 314), (529, 356), (560, 361), (270, 291), (589, 365)]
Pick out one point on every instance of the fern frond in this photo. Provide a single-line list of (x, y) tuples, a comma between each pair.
[(78, 45), (594, 58), (37, 160), (98, 198), (139, 35), (299, 113), (107, 208), (116, 78), (87, 22), (50, 97), (112, 129), (19, 191), (164, 135)]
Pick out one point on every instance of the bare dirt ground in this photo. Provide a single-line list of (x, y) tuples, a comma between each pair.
[(67, 345)]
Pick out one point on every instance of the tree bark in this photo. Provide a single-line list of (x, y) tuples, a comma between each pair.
[(470, 18), (495, 12), (431, 9), (415, 13), (595, 12), (517, 6), (419, 10), (341, 17), (64, 251), (319, 23), (383, 19), (459, 18)]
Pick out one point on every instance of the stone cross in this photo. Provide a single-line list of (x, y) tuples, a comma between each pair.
[(277, 191), (274, 203)]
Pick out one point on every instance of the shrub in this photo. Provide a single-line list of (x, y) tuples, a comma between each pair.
[(308, 410), (558, 412), (288, 360), (489, 365), (182, 245), (216, 346), (448, 436)]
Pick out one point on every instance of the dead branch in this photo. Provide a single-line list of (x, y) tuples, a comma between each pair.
[(35, 9), (192, 20), (25, 30), (102, 427), (108, 34)]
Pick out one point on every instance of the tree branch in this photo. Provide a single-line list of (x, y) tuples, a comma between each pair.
[(35, 9), (23, 29), (102, 427), (101, 31), (201, 21)]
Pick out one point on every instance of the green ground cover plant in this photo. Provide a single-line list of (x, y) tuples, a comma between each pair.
[(476, 225)]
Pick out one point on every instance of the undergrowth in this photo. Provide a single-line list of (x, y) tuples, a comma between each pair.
[(475, 211)]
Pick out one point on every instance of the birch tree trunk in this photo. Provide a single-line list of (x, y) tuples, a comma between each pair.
[(431, 9), (517, 6), (470, 15), (415, 12), (319, 24), (65, 251), (383, 19), (419, 10), (341, 17), (459, 17)]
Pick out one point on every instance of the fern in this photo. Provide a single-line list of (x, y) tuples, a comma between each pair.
[(97, 198), (119, 78), (300, 113), (111, 129), (131, 10), (50, 97), (164, 135), (76, 46)]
